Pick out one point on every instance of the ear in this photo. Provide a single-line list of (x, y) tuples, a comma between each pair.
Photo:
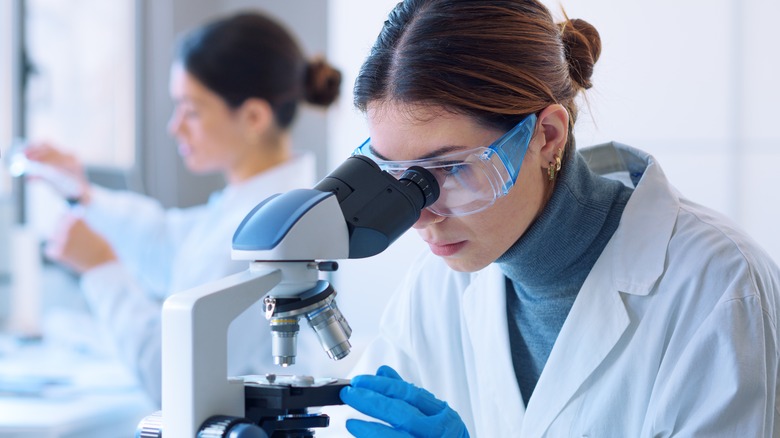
[(552, 133), (257, 116)]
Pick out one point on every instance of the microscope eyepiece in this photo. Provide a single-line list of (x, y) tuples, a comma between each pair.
[(424, 180), (377, 207)]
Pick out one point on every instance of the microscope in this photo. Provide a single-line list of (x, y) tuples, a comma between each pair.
[(357, 211)]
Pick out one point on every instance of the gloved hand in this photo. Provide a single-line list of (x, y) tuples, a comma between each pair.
[(410, 411)]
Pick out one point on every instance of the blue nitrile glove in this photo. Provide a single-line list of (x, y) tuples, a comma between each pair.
[(411, 411)]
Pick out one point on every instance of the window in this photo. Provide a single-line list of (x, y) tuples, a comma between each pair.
[(80, 91)]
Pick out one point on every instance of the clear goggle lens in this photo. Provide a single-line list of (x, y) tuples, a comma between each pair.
[(469, 181)]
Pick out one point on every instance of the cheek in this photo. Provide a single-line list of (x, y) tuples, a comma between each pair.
[(191, 130), (497, 230), (206, 135), (490, 245), (221, 130)]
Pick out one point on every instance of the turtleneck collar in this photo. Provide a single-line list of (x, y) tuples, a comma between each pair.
[(562, 244)]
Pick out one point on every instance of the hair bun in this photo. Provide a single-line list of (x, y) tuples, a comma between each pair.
[(582, 44), (323, 83)]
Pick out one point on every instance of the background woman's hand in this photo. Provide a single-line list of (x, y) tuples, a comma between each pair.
[(77, 246), (66, 166)]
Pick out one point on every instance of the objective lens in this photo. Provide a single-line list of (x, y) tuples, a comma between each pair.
[(284, 340), (332, 329)]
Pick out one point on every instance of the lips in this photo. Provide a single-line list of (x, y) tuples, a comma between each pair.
[(184, 150), (446, 249)]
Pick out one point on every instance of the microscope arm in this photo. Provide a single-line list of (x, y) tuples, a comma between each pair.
[(194, 337)]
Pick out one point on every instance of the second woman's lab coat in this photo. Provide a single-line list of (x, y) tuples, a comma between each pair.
[(167, 251), (673, 333)]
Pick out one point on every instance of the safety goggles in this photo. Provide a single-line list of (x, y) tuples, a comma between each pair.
[(470, 180)]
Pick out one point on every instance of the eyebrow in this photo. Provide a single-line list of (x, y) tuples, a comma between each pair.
[(184, 101), (434, 153), (189, 99)]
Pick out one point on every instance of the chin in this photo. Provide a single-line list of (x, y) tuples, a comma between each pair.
[(465, 264), (198, 170), (196, 167)]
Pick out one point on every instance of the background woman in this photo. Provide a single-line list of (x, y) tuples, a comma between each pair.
[(236, 83)]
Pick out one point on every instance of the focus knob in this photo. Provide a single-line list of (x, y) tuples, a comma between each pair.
[(222, 426), (150, 426)]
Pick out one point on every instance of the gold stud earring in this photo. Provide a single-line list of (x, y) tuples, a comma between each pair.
[(553, 168)]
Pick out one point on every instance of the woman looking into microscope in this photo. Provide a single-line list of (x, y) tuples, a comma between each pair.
[(567, 292)]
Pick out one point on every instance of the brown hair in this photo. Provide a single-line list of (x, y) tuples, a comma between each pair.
[(250, 54), (494, 60)]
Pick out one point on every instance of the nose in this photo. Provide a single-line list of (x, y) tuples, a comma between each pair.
[(427, 217)]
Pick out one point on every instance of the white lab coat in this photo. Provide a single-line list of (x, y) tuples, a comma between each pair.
[(167, 251), (674, 332)]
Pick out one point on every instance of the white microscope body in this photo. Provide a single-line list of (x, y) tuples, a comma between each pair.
[(355, 212)]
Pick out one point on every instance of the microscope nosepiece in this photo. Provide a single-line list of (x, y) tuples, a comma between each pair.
[(319, 307)]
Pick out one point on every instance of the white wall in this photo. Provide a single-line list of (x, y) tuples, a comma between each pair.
[(691, 82)]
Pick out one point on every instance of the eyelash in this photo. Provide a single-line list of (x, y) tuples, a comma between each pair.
[(453, 168), (444, 169)]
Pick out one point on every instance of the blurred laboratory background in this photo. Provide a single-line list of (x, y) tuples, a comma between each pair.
[(693, 83)]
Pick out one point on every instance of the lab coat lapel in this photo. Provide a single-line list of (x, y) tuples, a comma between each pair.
[(631, 263), (582, 345), (486, 322)]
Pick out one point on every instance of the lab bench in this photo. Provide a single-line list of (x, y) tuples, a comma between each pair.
[(50, 391), (69, 382)]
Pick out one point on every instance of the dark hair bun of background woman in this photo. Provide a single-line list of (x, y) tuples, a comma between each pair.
[(323, 83)]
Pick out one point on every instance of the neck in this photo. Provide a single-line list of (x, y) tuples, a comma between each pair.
[(568, 235), (262, 157)]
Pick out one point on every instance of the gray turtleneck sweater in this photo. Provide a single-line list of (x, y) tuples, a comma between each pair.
[(547, 266)]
